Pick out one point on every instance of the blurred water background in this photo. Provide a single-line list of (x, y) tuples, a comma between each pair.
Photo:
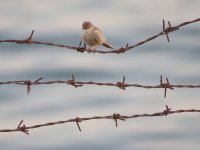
[(121, 21)]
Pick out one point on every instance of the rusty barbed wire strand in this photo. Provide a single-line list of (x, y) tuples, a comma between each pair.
[(165, 31), (119, 84), (25, 129)]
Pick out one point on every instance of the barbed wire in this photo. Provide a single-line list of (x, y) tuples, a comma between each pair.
[(165, 31), (120, 84), (25, 129)]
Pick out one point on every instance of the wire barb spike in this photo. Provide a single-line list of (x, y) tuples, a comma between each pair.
[(28, 83), (22, 128), (77, 120), (166, 30), (29, 39), (166, 111), (166, 85), (80, 49), (122, 84), (39, 79), (73, 83), (116, 117)]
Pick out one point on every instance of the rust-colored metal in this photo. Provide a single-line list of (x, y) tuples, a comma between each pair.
[(121, 85), (128, 47), (167, 111)]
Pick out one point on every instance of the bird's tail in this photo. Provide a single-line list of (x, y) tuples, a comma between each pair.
[(107, 45)]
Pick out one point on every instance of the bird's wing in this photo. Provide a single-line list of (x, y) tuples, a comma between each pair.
[(98, 36)]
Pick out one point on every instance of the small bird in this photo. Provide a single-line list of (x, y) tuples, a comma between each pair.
[(92, 36)]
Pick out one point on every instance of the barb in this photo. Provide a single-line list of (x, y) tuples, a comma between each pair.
[(121, 85), (77, 120), (22, 128), (73, 83), (116, 117), (165, 31), (165, 85)]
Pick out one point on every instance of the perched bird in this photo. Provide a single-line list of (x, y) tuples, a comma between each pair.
[(92, 36)]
